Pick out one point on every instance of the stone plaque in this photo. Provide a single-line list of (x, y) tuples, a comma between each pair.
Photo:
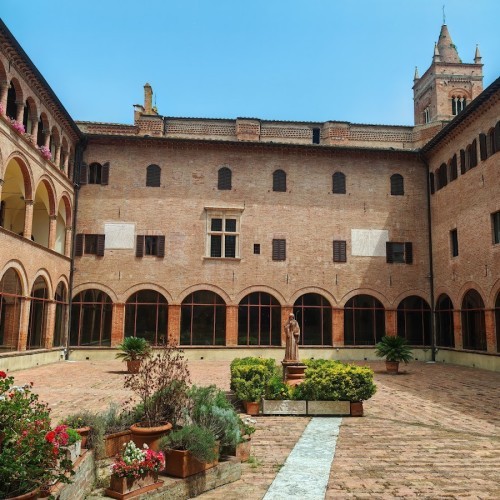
[(328, 408), (283, 407), (119, 235), (369, 242)]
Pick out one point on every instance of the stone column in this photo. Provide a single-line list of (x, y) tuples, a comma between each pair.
[(20, 112), (338, 327), (34, 129), (457, 327), (48, 334), (57, 156), (28, 219), (52, 232), (285, 312), (67, 241), (391, 326), (1, 187), (489, 323), (231, 325), (22, 338), (4, 90), (174, 323), (46, 138), (117, 324)]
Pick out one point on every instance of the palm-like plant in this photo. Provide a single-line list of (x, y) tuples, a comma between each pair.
[(133, 348), (394, 349)]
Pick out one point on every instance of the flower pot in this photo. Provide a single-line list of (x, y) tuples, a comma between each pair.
[(26, 496), (84, 433), (392, 366), (182, 463), (243, 449), (357, 409), (130, 487), (149, 435), (133, 365), (252, 407), (113, 444)]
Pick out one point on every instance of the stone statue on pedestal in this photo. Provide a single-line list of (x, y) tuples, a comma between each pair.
[(292, 333)]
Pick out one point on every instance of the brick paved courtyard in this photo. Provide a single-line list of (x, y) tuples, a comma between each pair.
[(431, 432)]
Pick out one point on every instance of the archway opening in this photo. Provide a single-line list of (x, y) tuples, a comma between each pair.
[(12, 202), (41, 215), (414, 320), (473, 324), (39, 302), (11, 297), (444, 322)]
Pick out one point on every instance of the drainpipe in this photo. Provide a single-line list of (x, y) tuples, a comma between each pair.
[(80, 148), (431, 261)]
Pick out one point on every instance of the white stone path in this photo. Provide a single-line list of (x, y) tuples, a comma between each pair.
[(307, 469)]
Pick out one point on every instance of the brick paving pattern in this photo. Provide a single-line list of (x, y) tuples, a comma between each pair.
[(431, 432)]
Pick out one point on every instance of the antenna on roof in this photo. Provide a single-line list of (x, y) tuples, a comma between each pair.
[(444, 16)]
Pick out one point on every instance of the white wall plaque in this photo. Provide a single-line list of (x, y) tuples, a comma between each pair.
[(119, 235), (369, 242)]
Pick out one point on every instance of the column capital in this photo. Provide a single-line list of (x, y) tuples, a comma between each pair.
[(1, 182), (28, 202), (69, 229), (53, 217)]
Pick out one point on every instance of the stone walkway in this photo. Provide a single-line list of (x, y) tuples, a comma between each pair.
[(431, 432)]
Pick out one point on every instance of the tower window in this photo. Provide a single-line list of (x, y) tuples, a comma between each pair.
[(454, 242), (457, 105), (427, 115)]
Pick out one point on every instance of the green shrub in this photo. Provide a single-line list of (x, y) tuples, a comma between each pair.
[(276, 388), (242, 368), (198, 440), (73, 436), (336, 382)]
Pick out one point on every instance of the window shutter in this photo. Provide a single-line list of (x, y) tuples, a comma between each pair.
[(153, 176), (388, 251), (339, 251), (279, 249), (79, 245), (84, 172), (279, 181), (473, 154), (497, 137), (161, 247), (139, 246), (397, 185), (105, 174), (100, 245), (453, 169), (338, 183), (409, 253), (462, 162), (224, 179), (431, 182), (482, 147)]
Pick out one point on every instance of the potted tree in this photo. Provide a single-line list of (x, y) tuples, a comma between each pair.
[(133, 350), (394, 349)]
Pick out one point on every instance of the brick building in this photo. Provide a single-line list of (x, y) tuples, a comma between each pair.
[(210, 232)]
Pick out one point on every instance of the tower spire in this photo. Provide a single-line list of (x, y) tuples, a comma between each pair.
[(436, 57), (477, 56), (416, 76), (447, 49)]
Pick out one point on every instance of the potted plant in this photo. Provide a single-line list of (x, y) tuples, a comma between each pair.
[(135, 472), (394, 349), (243, 447), (161, 387), (189, 450), (133, 350), (29, 452)]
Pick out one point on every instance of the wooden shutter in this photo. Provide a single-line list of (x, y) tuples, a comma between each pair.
[(338, 183), (462, 162), (279, 181), (84, 173), (279, 249), (79, 245), (431, 182), (153, 176), (224, 179), (453, 168), (397, 185), (482, 147), (100, 245), (105, 174), (409, 253), (139, 247), (339, 251), (473, 154), (497, 137), (160, 252), (388, 252)]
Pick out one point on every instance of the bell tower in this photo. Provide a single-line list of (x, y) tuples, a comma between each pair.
[(448, 85)]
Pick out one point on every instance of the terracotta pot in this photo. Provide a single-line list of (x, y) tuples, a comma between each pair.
[(129, 487), (84, 433), (133, 365), (113, 444), (392, 366), (149, 435), (357, 409), (243, 449), (252, 407), (26, 496), (181, 463)]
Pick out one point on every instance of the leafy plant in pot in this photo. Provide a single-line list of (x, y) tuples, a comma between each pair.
[(133, 350), (394, 349), (161, 387)]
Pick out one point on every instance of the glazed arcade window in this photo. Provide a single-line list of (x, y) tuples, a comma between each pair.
[(89, 244), (223, 233), (399, 253), (495, 225), (150, 245)]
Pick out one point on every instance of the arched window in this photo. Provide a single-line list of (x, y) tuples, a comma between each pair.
[(338, 183), (473, 325), (146, 316), (442, 176), (458, 103), (153, 176), (224, 179), (91, 318), (11, 297), (364, 321), (397, 185), (203, 319), (473, 154), (38, 314), (444, 322), (11, 110), (453, 168), (279, 181), (314, 315), (414, 321), (61, 300), (259, 320), (497, 320)]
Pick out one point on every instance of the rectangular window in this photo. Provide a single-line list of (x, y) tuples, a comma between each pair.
[(495, 225), (223, 235), (89, 244), (454, 242), (150, 245), (316, 135), (339, 251), (399, 253), (256, 248), (279, 249)]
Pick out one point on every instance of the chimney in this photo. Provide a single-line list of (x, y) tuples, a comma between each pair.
[(148, 99)]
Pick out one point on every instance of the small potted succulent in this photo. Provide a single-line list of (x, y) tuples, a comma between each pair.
[(394, 349), (133, 350)]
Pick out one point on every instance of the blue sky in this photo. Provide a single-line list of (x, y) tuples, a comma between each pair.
[(303, 60)]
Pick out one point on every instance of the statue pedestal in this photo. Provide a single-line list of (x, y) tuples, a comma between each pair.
[(293, 372)]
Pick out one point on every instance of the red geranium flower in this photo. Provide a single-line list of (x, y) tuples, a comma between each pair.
[(3, 374), (50, 436)]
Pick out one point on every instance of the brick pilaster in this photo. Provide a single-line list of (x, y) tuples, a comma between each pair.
[(117, 325), (457, 326), (489, 322), (52, 232), (28, 219), (231, 325), (67, 242), (174, 323), (48, 334), (391, 326), (338, 327), (4, 89), (24, 321)]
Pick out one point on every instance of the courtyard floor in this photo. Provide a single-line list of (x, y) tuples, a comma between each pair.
[(431, 432)]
